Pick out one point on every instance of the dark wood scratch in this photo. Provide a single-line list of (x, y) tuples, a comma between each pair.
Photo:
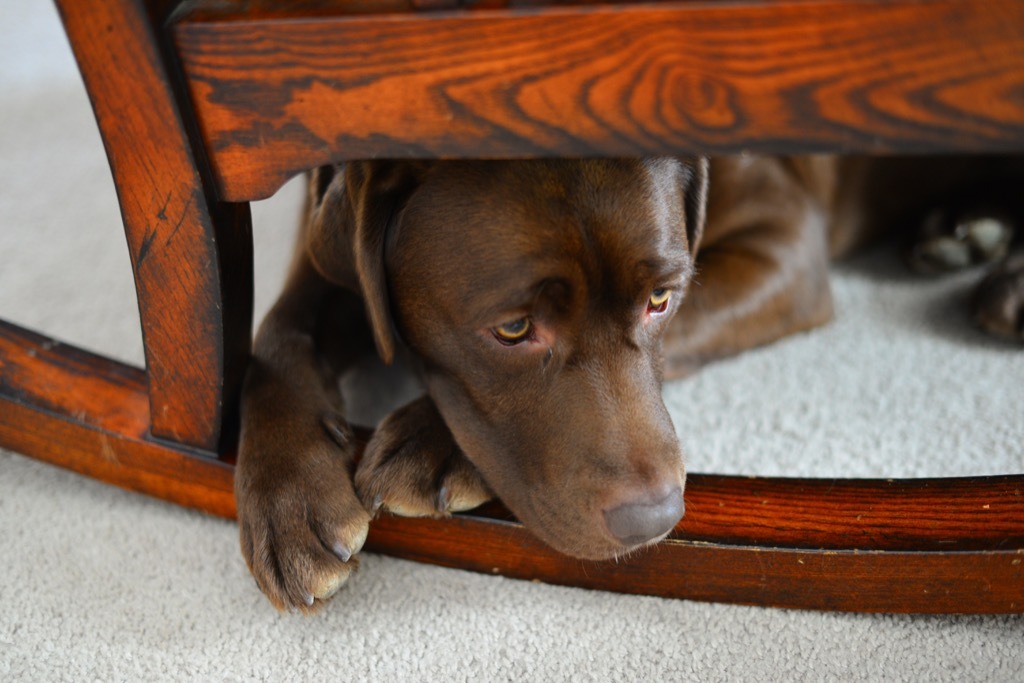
[(144, 248), (181, 221), (162, 213)]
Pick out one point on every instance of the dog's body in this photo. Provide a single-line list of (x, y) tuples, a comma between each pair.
[(543, 302)]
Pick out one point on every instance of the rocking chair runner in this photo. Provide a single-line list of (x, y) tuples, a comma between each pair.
[(206, 105)]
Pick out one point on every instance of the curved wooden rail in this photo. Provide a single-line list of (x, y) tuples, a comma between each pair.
[(938, 545)]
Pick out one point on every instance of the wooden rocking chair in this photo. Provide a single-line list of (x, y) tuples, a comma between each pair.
[(207, 105)]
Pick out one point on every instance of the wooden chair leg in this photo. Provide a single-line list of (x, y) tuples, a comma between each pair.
[(166, 431), (191, 254)]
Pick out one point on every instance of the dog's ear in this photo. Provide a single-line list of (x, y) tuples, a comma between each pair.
[(695, 200), (353, 208)]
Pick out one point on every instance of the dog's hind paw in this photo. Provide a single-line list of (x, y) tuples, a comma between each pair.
[(412, 467), (947, 242), (998, 301)]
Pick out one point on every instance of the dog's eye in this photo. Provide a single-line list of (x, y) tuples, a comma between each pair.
[(514, 331), (659, 300)]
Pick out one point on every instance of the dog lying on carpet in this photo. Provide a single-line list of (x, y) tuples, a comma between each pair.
[(543, 303)]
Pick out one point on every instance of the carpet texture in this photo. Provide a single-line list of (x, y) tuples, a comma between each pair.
[(102, 584)]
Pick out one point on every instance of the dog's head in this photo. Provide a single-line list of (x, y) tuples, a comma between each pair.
[(536, 294)]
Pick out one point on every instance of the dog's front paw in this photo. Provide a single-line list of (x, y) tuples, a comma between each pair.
[(948, 241), (300, 521), (998, 302), (413, 468)]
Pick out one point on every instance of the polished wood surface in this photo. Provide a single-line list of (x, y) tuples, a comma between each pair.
[(275, 93), (932, 545), (91, 415), (195, 320), (842, 580), (267, 89)]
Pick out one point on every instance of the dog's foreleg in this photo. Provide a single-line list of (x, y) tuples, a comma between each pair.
[(300, 521)]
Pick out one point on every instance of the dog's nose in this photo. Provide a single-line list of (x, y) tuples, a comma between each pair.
[(639, 521)]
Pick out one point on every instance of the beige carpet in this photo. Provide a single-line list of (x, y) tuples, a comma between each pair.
[(97, 584)]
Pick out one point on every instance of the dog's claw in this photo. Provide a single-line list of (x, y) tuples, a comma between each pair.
[(341, 551), (443, 499), (338, 430), (378, 503)]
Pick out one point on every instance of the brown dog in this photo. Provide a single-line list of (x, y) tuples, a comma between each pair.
[(543, 301)]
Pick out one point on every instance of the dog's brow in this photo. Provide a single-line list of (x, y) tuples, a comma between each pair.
[(513, 293), (675, 267), (498, 296)]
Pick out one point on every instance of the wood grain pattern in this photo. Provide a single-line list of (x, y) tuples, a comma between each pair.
[(756, 574), (275, 94), (195, 306), (940, 545), (90, 414)]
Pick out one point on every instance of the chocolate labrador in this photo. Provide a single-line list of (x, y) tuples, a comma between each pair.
[(543, 302)]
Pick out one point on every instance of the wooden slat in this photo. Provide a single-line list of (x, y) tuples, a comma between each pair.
[(942, 545), (973, 582), (191, 255), (276, 93), (90, 414)]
